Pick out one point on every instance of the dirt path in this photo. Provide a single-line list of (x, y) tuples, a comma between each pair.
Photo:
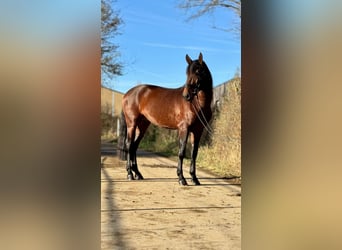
[(158, 213)]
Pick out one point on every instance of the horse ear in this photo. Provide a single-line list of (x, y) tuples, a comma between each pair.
[(200, 58), (188, 59)]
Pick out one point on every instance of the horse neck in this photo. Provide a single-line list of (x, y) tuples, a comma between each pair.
[(208, 87), (205, 97)]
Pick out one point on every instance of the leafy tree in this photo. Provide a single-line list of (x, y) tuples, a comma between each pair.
[(110, 22), (199, 8)]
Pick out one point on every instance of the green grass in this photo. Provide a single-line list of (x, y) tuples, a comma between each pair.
[(159, 140)]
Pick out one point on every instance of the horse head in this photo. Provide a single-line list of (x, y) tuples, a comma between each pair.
[(198, 77)]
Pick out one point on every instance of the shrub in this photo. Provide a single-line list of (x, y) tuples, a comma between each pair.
[(223, 155)]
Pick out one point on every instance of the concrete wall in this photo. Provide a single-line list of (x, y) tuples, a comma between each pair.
[(219, 92), (111, 105), (111, 101)]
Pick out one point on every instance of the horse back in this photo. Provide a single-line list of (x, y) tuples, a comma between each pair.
[(159, 105)]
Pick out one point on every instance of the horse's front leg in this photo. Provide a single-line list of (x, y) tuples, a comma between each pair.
[(195, 144), (183, 138)]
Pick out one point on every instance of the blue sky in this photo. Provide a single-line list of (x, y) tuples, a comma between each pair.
[(156, 37)]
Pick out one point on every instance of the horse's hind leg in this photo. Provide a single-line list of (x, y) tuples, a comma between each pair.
[(130, 154), (142, 126)]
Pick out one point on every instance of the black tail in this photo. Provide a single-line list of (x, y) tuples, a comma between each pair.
[(122, 149)]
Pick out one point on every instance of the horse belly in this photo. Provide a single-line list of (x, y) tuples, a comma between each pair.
[(161, 116), (162, 107)]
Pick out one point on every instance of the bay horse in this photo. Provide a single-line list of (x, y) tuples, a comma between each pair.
[(183, 108)]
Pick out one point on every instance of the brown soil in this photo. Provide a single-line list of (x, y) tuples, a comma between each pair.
[(158, 213)]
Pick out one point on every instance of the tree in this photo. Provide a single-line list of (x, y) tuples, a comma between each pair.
[(110, 22), (203, 7)]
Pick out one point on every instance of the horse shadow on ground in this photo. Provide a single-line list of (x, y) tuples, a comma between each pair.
[(110, 150), (113, 237)]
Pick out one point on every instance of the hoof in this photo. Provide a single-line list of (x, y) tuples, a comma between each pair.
[(182, 182), (130, 177), (195, 181), (139, 176)]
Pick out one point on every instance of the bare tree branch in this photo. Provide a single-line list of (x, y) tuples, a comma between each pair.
[(110, 22), (203, 7)]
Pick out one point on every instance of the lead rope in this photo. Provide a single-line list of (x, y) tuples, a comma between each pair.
[(208, 125), (205, 123)]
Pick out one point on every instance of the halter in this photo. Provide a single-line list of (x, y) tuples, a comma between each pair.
[(198, 110), (194, 90)]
